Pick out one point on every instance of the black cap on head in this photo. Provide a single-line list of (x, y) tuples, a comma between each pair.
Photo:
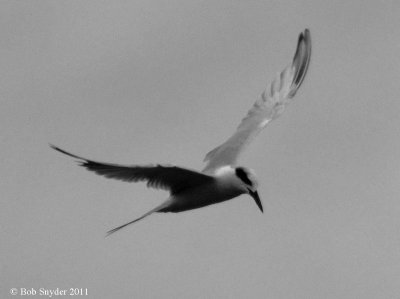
[(243, 176)]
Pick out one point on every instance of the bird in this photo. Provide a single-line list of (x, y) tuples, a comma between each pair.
[(222, 178)]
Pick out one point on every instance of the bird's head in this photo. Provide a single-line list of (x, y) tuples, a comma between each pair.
[(248, 177)]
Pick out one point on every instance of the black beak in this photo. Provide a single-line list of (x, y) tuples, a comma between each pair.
[(256, 199)]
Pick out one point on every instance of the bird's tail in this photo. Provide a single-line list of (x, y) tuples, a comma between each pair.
[(156, 209)]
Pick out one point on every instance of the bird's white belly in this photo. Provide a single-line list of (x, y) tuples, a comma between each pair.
[(200, 197)]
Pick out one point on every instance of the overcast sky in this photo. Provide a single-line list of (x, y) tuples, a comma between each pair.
[(140, 82)]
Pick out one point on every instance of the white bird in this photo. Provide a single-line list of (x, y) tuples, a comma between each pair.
[(221, 179)]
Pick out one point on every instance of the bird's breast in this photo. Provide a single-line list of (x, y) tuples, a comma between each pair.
[(201, 196)]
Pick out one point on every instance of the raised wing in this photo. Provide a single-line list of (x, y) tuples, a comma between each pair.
[(268, 107), (172, 178)]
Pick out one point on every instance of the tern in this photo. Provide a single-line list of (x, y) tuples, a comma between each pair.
[(221, 179)]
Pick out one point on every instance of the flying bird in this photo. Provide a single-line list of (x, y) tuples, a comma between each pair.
[(221, 179)]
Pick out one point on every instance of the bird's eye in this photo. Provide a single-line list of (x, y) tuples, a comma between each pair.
[(242, 174)]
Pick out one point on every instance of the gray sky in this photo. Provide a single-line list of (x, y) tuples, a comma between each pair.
[(140, 82)]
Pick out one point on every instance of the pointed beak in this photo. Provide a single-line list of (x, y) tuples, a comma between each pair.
[(256, 199)]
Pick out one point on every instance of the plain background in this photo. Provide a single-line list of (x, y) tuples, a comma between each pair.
[(140, 82)]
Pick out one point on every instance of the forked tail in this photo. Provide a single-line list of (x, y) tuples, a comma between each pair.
[(156, 209)]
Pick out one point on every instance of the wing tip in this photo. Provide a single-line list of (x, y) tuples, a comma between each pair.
[(81, 161), (61, 150), (301, 60), (67, 153)]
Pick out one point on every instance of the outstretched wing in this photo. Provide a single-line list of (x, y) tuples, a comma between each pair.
[(172, 178), (268, 107)]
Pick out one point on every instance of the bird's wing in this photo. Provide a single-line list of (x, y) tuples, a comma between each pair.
[(268, 107), (172, 178)]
